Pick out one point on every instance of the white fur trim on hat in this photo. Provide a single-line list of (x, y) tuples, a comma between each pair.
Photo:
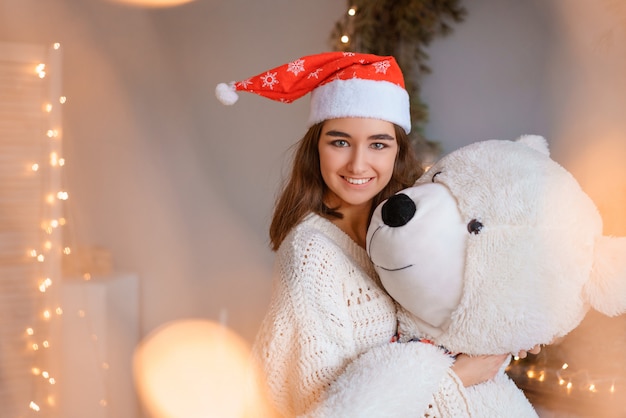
[(361, 98)]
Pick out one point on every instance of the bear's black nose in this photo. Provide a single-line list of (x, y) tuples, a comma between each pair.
[(398, 210)]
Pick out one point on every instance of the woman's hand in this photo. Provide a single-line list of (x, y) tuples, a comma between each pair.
[(524, 353), (477, 369)]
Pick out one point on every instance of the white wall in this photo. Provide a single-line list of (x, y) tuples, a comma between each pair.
[(489, 77), (180, 188), (554, 68)]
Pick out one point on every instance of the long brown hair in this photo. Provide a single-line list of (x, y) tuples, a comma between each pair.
[(304, 193)]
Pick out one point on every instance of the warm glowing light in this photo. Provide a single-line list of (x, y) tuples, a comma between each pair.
[(41, 258), (569, 385), (564, 366), (542, 376), (211, 362), (52, 381), (41, 70), (62, 99), (345, 39), (352, 11), (58, 311), (52, 133), (46, 344), (61, 162), (50, 198), (153, 3), (54, 223), (592, 388), (34, 167), (48, 107), (62, 195), (34, 406), (47, 245), (30, 331), (612, 389), (45, 375), (54, 159), (561, 382), (61, 221), (56, 45), (87, 276), (530, 374), (36, 371), (67, 250), (46, 314), (35, 347)]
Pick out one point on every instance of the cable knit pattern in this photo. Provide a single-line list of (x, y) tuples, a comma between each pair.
[(327, 308), (451, 399)]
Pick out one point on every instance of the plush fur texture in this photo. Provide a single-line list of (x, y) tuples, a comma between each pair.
[(377, 374), (514, 245)]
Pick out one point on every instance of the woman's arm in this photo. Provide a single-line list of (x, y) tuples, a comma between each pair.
[(472, 370)]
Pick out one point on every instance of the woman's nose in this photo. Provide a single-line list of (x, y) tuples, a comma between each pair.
[(358, 161)]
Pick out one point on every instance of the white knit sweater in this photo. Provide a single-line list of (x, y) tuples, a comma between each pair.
[(324, 344)]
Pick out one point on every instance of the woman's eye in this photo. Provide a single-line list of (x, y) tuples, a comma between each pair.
[(378, 145), (340, 143)]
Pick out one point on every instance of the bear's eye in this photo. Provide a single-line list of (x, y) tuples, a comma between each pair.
[(435, 175), (474, 226)]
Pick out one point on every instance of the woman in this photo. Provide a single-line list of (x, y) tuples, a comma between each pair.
[(329, 313)]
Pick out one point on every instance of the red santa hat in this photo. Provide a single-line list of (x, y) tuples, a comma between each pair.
[(342, 84)]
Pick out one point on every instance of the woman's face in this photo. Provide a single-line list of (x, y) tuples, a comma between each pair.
[(357, 157)]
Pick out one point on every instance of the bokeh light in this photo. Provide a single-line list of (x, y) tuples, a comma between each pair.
[(198, 368), (152, 3)]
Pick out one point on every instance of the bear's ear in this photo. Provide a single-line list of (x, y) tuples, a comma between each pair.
[(536, 142), (606, 288)]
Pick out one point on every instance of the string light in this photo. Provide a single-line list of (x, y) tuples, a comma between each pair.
[(41, 70), (345, 37), (49, 266), (564, 382)]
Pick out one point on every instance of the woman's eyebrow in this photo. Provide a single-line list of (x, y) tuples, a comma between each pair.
[(376, 137), (384, 137), (337, 133)]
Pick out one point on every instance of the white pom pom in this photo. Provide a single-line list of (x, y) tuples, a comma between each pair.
[(226, 93)]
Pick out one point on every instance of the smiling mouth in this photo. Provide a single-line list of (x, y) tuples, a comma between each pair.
[(396, 269), (358, 181)]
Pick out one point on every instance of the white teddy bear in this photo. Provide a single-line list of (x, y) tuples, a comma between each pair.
[(495, 249)]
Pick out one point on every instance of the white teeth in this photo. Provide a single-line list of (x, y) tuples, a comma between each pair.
[(357, 181)]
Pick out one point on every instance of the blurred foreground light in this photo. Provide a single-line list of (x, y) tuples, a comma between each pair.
[(152, 3), (198, 368)]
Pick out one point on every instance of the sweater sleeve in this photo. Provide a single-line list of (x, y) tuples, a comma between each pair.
[(393, 380), (306, 338)]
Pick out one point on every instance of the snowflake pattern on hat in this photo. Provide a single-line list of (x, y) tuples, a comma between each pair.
[(376, 80)]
